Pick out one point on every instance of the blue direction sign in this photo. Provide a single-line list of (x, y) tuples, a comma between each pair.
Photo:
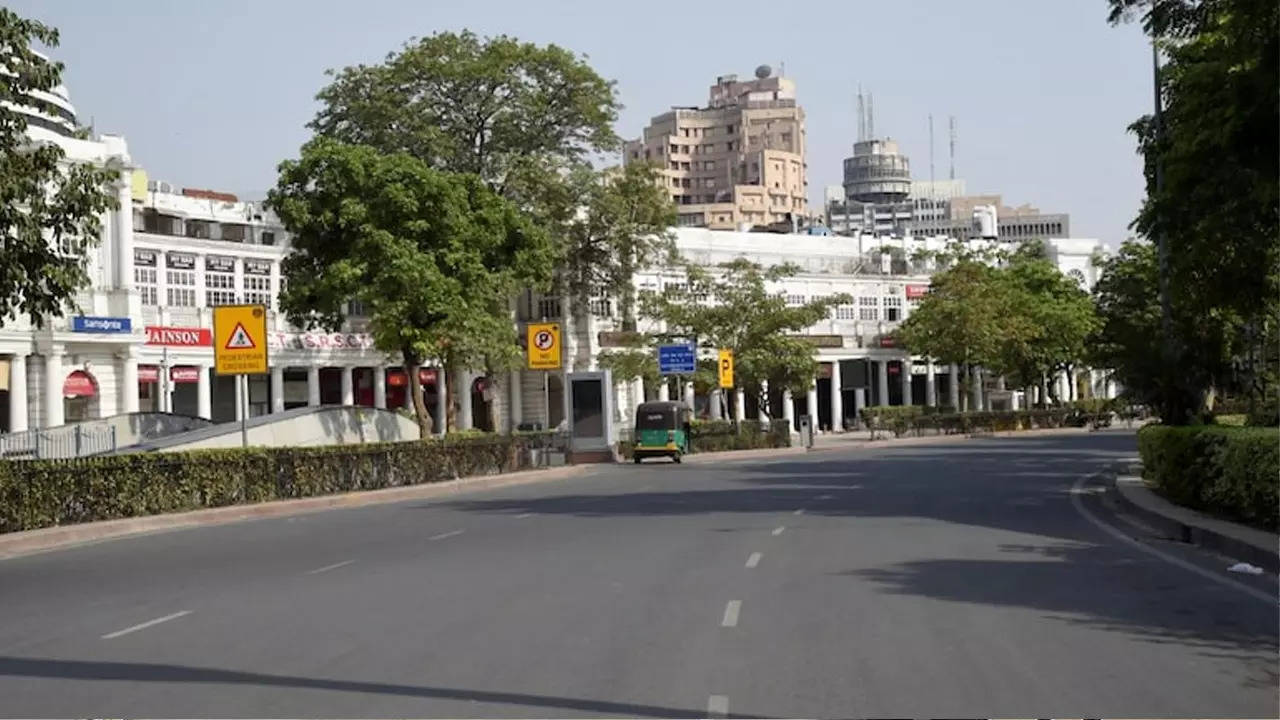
[(89, 324), (679, 359)]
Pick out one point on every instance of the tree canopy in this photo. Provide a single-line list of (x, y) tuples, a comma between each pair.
[(428, 254), (1212, 184), (734, 307), (52, 209)]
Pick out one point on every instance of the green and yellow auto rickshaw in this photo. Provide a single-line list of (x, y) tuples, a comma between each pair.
[(662, 430)]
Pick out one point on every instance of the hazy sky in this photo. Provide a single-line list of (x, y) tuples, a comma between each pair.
[(215, 94)]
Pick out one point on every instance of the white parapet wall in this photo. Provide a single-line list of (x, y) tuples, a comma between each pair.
[(304, 427)]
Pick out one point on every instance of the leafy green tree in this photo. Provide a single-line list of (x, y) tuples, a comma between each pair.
[(1058, 314), (1212, 184), (735, 308), (969, 318), (51, 213), (429, 254)]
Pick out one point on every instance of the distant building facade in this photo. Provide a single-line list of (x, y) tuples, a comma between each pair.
[(738, 161)]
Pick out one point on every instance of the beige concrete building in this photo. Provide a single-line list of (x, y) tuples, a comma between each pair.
[(738, 161)]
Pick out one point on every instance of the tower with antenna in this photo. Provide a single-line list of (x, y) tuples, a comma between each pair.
[(862, 117)]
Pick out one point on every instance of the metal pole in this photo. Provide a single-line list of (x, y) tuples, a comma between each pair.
[(1167, 347), (546, 403), (242, 389)]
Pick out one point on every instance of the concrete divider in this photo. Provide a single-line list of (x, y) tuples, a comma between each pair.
[(300, 427)]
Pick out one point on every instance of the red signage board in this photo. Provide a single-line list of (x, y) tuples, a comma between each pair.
[(917, 291), (184, 374), (179, 336), (426, 376), (148, 373), (887, 341)]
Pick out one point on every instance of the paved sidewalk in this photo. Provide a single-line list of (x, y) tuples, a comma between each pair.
[(1254, 546)]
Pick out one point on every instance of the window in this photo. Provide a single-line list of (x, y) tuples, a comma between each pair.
[(674, 165), (729, 146), (145, 279), (182, 288), (845, 312), (868, 308), (549, 307), (684, 166), (258, 292), (892, 308), (600, 307), (794, 300), (198, 229), (268, 237), (709, 165)]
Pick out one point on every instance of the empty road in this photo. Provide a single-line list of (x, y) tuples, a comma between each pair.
[(980, 578)]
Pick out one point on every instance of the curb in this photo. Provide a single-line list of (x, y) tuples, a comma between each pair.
[(1132, 494), (29, 542)]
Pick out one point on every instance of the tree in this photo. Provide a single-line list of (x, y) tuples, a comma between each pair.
[(1058, 315), (428, 254), (968, 318), (734, 308), (1212, 183), (515, 114), (51, 214)]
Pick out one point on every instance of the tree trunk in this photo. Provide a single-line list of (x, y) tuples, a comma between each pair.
[(627, 297), (414, 385), (451, 398)]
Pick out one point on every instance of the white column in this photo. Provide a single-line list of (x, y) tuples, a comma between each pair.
[(837, 398), (313, 385), (882, 382), (930, 385), (953, 388), (204, 392), (53, 379), (18, 412), (408, 395), (762, 412), (637, 393), (129, 382), (124, 234), (789, 409), (1109, 387), (442, 402), (463, 378), (277, 387), (688, 395), (516, 416), (739, 405), (906, 381), (348, 385), (664, 390), (811, 405)]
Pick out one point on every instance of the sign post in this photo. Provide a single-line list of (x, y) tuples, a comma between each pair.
[(543, 343), (240, 350)]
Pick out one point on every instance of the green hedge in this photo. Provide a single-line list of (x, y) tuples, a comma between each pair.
[(901, 420), (721, 435), (43, 493), (1229, 471)]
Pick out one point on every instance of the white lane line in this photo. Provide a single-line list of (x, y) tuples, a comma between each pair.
[(754, 559), (1077, 491), (825, 497), (522, 516), (145, 625), (778, 530), (718, 706), (799, 511), (327, 568), (442, 536), (731, 614)]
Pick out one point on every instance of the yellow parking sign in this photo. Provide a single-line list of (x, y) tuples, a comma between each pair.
[(726, 368), (544, 346), (240, 340)]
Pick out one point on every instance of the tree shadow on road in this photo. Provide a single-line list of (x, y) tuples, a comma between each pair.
[(135, 672)]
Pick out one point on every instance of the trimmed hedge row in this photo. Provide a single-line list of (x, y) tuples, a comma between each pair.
[(722, 435), (900, 420), (1229, 471), (43, 493)]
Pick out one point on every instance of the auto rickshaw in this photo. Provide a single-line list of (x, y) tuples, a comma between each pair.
[(662, 430)]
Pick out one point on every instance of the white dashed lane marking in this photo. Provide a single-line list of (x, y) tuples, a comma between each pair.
[(442, 536), (778, 530), (754, 559), (327, 568), (731, 614), (799, 511), (145, 625)]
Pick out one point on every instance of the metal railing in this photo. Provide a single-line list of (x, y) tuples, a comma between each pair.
[(58, 443)]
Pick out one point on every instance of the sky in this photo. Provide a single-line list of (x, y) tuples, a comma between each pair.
[(215, 94)]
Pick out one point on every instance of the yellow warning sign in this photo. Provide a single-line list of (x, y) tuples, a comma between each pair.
[(544, 346), (726, 368), (240, 340)]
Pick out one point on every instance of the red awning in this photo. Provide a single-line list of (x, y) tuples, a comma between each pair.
[(79, 384)]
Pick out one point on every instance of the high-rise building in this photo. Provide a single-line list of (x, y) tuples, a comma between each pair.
[(739, 160)]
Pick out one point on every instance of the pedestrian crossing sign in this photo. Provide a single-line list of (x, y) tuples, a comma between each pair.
[(240, 339)]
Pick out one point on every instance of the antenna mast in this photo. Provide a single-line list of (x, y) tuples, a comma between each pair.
[(871, 118), (953, 147)]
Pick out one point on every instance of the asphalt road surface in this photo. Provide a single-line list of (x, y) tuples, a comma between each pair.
[(975, 579)]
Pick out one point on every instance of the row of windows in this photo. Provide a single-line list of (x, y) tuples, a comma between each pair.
[(219, 288)]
